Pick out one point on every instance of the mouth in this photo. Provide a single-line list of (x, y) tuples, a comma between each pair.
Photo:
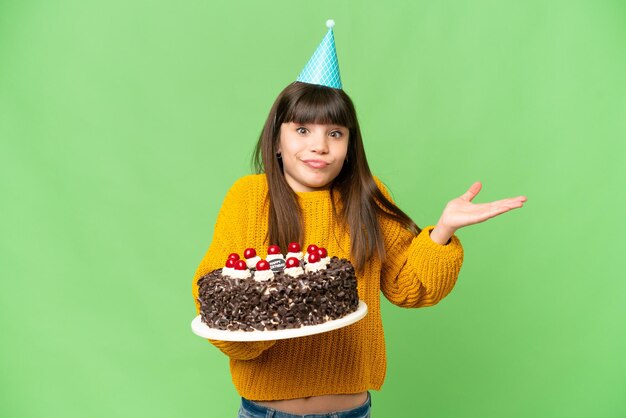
[(316, 163)]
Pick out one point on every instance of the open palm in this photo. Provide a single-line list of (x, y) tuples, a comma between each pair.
[(462, 212)]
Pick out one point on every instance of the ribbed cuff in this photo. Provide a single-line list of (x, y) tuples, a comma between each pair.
[(452, 244), (242, 350)]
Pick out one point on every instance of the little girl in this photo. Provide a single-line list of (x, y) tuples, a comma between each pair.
[(315, 186)]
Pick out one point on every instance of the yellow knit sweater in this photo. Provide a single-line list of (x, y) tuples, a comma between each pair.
[(417, 272)]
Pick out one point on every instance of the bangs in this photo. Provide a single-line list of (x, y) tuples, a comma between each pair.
[(320, 105)]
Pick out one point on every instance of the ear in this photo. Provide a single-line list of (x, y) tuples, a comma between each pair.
[(278, 150)]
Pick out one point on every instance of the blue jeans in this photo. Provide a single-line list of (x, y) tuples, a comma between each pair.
[(251, 409)]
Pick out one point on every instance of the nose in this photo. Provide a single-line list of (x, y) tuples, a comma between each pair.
[(319, 143)]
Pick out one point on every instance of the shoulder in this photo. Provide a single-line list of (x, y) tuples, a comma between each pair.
[(383, 189), (247, 194), (396, 224), (250, 185), (251, 180)]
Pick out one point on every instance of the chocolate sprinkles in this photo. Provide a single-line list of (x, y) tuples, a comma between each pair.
[(283, 302)]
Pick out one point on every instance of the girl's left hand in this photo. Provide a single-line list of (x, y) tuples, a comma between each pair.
[(462, 212)]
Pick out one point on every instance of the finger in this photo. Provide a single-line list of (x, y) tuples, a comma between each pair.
[(509, 201), (483, 211), (517, 199), (472, 191), (502, 207)]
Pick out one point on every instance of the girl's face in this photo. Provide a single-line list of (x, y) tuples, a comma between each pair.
[(312, 154)]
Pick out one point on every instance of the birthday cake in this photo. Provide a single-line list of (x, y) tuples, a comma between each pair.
[(280, 292)]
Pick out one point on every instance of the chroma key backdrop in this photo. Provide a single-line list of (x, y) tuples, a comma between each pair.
[(123, 124)]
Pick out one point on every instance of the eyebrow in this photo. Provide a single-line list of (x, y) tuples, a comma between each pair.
[(329, 126)]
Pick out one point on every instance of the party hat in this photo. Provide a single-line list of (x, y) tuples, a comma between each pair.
[(323, 67)]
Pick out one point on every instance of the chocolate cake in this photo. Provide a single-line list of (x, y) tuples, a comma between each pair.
[(285, 297)]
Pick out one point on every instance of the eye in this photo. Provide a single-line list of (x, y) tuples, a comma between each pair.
[(301, 130), (336, 134)]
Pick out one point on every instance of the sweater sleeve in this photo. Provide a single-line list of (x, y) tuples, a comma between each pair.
[(417, 271), (231, 220)]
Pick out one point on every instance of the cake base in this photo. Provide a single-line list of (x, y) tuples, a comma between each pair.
[(201, 329)]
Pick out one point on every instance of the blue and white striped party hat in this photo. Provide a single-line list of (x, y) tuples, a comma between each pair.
[(323, 68)]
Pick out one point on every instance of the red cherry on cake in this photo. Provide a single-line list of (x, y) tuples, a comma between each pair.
[(292, 262), (234, 256), (311, 249), (240, 265), (230, 263), (294, 247), (249, 253), (262, 265), (273, 249), (314, 257), (321, 251)]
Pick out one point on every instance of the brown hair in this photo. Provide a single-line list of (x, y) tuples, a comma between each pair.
[(362, 200)]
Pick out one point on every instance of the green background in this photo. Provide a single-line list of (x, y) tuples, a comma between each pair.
[(123, 123)]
